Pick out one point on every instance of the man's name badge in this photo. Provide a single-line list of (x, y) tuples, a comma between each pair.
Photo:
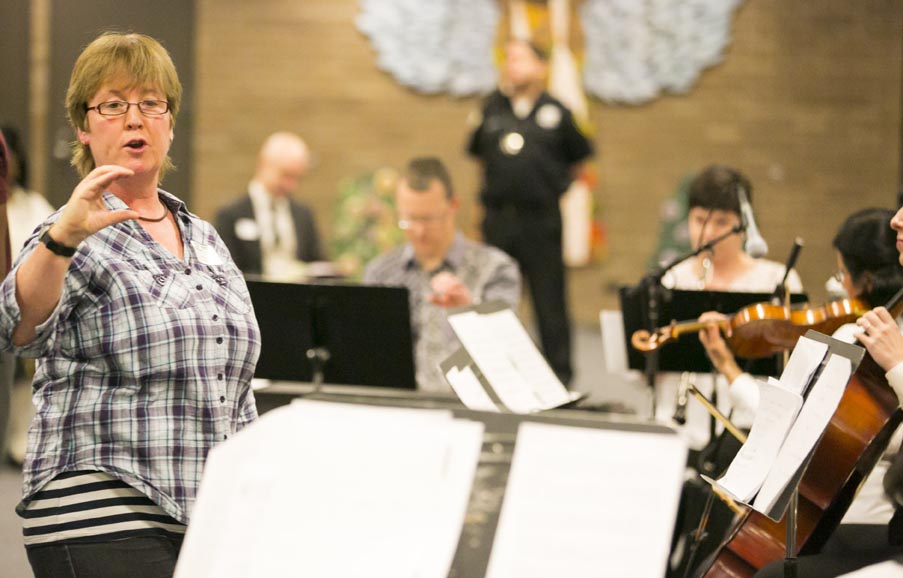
[(512, 143), (247, 230)]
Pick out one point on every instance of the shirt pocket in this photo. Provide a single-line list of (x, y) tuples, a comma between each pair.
[(231, 292), (165, 287)]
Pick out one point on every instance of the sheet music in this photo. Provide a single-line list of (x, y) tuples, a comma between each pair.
[(459, 373), (804, 361), (775, 415), (463, 455), (321, 490), (469, 389), (821, 403), (584, 502), (530, 363), (494, 361), (509, 360)]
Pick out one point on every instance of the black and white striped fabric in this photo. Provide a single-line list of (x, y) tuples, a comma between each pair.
[(89, 506)]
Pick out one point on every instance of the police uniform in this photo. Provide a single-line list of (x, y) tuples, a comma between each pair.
[(527, 163)]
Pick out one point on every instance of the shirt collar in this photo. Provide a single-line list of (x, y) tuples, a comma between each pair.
[(173, 203), (453, 259)]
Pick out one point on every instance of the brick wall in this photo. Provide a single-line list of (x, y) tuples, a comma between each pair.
[(807, 102)]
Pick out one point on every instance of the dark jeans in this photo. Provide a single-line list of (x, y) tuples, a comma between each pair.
[(533, 238), (139, 557)]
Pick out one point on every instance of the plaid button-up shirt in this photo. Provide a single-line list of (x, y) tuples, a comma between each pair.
[(146, 362)]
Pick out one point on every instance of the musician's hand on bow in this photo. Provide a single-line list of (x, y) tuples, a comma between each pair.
[(715, 345), (881, 337)]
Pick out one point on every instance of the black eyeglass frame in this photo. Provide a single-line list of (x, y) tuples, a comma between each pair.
[(128, 104)]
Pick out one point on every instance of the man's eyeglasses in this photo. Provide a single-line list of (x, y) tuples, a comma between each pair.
[(426, 221), (148, 106)]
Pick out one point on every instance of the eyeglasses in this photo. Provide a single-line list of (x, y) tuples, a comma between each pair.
[(426, 221), (148, 106)]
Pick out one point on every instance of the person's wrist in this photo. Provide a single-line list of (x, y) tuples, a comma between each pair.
[(64, 235), (729, 369), (48, 237)]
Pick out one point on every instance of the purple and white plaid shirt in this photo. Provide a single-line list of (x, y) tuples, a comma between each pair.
[(146, 362)]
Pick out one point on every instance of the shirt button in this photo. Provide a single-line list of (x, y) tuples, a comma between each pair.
[(220, 376), (222, 399), (219, 339), (199, 287), (216, 317), (188, 271), (225, 436)]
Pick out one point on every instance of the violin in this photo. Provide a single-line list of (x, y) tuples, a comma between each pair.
[(855, 438), (761, 329)]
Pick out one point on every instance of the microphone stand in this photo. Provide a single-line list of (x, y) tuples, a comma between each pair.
[(782, 296), (651, 285)]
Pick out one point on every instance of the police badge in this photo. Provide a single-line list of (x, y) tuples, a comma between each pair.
[(512, 143), (548, 116)]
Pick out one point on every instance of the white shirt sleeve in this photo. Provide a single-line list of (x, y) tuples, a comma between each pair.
[(744, 393), (895, 380)]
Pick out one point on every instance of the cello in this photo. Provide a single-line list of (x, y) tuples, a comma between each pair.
[(855, 438)]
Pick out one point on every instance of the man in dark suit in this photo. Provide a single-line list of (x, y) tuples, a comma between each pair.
[(267, 231)]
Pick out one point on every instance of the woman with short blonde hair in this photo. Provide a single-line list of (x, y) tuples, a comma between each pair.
[(142, 327)]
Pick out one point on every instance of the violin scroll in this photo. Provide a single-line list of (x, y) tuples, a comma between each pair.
[(645, 341)]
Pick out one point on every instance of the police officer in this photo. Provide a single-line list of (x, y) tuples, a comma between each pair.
[(529, 146)]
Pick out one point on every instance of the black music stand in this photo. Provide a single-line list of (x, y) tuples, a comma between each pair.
[(339, 334)]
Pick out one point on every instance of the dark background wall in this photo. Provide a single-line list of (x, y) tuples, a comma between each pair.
[(14, 57), (72, 26)]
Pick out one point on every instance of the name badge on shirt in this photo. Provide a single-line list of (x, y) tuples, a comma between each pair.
[(208, 256), (247, 230), (548, 116), (512, 143)]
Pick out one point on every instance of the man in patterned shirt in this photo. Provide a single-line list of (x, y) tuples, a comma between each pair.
[(439, 266)]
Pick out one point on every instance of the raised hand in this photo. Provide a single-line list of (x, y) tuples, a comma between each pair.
[(449, 291), (85, 212)]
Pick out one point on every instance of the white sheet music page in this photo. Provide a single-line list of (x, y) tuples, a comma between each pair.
[(492, 357), (509, 360), (321, 490), (462, 458), (804, 361), (469, 389), (820, 405), (584, 502), (530, 363), (775, 415)]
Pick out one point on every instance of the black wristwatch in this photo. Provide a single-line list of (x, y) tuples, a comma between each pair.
[(53, 246)]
